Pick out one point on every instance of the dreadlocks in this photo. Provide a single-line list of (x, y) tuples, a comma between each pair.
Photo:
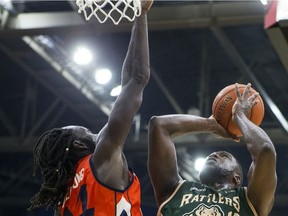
[(50, 154)]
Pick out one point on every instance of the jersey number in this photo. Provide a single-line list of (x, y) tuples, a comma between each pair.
[(123, 207)]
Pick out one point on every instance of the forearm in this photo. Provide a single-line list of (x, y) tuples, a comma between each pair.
[(255, 137), (136, 63), (262, 171), (181, 124), (135, 74)]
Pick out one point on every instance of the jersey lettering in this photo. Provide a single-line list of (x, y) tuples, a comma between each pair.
[(190, 199), (78, 178)]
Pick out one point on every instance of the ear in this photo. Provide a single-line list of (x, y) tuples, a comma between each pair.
[(78, 144), (237, 179)]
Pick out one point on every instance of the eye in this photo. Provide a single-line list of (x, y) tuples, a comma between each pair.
[(226, 155), (80, 145)]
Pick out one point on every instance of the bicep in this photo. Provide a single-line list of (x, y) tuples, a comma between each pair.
[(162, 164), (262, 181), (109, 164)]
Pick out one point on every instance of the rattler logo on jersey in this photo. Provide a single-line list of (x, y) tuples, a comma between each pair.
[(204, 210)]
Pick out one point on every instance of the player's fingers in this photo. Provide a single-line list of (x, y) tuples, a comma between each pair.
[(246, 90), (237, 90), (235, 138), (254, 103), (231, 137), (146, 4), (254, 96)]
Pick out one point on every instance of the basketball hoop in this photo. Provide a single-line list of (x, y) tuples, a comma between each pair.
[(115, 10)]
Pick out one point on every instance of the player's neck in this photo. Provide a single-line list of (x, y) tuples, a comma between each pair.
[(221, 186)]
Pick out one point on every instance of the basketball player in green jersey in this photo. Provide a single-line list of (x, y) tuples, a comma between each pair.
[(219, 191)]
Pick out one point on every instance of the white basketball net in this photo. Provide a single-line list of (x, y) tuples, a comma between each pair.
[(115, 10)]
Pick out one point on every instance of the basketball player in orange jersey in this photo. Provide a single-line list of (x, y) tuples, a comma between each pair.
[(219, 191), (85, 173)]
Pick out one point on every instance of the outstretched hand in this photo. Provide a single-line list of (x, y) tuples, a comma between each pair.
[(244, 101), (146, 5), (221, 132)]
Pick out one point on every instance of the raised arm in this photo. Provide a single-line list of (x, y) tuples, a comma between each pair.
[(108, 154), (262, 177), (162, 160)]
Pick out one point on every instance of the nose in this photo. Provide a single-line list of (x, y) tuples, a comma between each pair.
[(214, 155)]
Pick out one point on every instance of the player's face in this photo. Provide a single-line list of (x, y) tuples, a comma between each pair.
[(218, 167), (221, 159), (85, 137)]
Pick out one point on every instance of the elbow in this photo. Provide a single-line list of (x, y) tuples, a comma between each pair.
[(161, 125), (268, 150), (142, 79), (268, 146), (154, 122), (142, 74), (158, 125)]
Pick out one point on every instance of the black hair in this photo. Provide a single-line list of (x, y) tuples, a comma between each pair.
[(50, 155)]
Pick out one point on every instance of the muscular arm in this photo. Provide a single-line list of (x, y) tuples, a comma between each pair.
[(110, 163), (262, 177), (162, 161)]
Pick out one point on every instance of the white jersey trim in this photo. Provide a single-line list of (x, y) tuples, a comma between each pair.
[(170, 197), (250, 203)]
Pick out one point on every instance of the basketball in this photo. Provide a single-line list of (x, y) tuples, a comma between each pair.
[(222, 108)]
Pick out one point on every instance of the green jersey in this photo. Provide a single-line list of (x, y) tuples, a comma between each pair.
[(195, 199)]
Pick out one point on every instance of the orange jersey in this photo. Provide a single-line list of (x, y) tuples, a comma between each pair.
[(89, 197)]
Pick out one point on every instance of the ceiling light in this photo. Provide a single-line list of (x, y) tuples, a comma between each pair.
[(7, 4), (103, 76), (116, 91), (82, 56), (264, 2), (199, 163)]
